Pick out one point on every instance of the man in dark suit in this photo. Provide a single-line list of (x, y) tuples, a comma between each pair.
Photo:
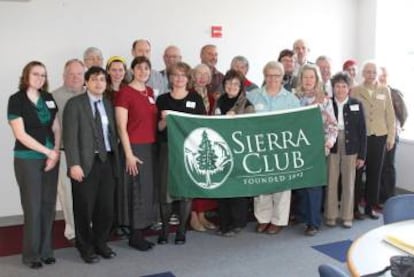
[(91, 152)]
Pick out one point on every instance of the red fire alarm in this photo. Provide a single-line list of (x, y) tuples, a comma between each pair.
[(216, 31)]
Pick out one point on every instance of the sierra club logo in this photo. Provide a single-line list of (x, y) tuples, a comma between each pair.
[(208, 159)]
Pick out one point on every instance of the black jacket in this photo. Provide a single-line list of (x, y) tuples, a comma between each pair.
[(355, 130)]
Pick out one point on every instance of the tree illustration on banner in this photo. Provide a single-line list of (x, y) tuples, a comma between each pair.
[(206, 158)]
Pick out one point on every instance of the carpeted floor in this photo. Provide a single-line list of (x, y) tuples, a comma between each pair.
[(289, 253)]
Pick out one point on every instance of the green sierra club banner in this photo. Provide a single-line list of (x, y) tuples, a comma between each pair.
[(245, 155)]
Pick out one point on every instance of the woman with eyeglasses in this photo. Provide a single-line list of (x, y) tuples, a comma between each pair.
[(232, 211), (272, 210), (181, 100), (32, 117)]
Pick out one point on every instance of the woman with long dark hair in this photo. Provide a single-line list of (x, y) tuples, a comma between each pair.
[(136, 117)]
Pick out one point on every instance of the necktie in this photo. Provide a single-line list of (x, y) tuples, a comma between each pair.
[(100, 141)]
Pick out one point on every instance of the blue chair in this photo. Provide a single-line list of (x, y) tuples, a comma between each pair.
[(398, 208), (326, 270)]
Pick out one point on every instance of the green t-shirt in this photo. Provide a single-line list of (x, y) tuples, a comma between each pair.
[(44, 116)]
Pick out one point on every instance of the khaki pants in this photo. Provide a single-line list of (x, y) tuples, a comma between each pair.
[(344, 165), (65, 198)]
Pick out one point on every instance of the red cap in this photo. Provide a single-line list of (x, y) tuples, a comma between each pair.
[(349, 63)]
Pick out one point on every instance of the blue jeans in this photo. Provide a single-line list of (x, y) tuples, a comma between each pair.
[(310, 204)]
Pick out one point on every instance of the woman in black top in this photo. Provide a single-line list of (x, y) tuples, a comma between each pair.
[(180, 100), (233, 211), (32, 116)]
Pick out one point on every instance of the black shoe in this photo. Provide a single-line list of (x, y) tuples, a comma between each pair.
[(237, 230), (72, 242), (91, 258), (372, 215), (50, 260), (179, 238), (105, 252), (141, 245), (162, 239), (35, 265)]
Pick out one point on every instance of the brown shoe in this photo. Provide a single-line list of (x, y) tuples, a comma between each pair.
[(311, 231), (261, 227), (273, 229)]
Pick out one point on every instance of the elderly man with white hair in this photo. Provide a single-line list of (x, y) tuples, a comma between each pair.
[(380, 123), (93, 57)]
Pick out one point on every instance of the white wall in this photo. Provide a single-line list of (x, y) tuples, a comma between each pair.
[(53, 31), (404, 165), (365, 30)]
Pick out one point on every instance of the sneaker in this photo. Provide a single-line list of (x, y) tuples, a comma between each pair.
[(347, 223)]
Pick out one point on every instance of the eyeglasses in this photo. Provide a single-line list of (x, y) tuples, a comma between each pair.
[(98, 79), (273, 76), (38, 75), (202, 74), (232, 84), (179, 75), (94, 58)]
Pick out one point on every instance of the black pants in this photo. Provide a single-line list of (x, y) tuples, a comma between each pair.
[(93, 206), (373, 170), (184, 209), (232, 213), (388, 177)]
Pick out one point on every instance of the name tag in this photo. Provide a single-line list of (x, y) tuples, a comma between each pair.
[(381, 97), (151, 100), (50, 104), (354, 108), (190, 104), (259, 107)]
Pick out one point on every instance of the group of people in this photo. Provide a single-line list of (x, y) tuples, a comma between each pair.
[(100, 143)]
